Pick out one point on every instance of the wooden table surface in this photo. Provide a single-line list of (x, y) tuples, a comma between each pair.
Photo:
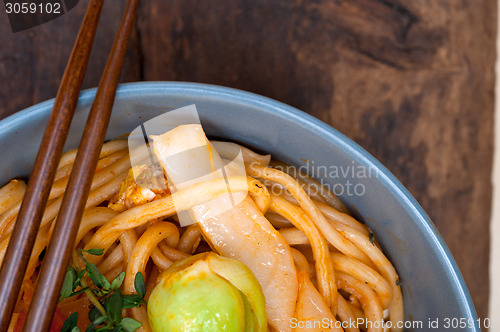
[(410, 81)]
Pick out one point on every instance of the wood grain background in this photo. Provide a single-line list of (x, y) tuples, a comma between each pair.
[(410, 81)]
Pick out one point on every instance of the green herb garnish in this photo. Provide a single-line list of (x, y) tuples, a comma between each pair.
[(95, 252), (371, 237), (70, 323), (108, 301)]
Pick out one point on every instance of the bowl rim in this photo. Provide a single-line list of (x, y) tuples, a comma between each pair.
[(402, 195)]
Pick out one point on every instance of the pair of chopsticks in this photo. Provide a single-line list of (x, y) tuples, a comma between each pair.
[(56, 260)]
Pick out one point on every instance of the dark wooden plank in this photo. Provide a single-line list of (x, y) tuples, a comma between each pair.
[(32, 61), (411, 81)]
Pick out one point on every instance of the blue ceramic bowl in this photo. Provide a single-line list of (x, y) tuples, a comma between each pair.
[(431, 282)]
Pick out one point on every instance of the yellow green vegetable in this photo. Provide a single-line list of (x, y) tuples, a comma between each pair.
[(207, 292)]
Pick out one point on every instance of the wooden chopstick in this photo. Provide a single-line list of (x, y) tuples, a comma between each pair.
[(44, 170), (68, 220)]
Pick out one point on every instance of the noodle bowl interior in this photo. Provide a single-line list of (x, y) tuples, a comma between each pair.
[(283, 257)]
